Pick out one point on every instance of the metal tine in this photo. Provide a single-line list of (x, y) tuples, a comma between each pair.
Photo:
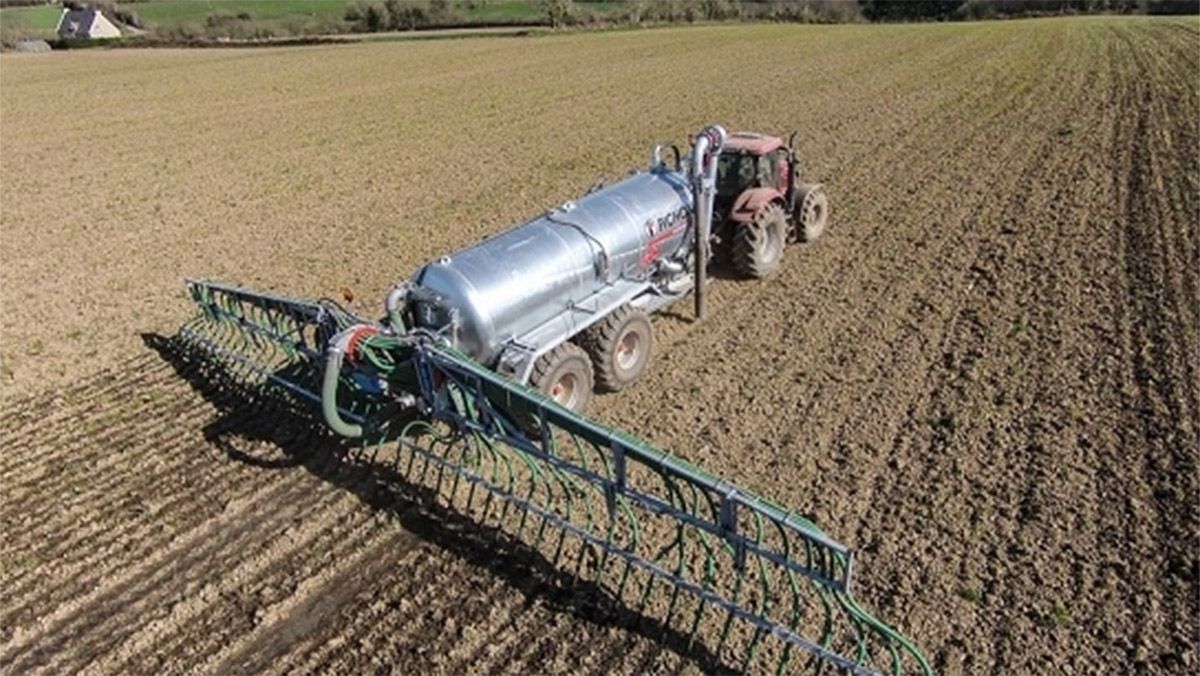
[(763, 606), (560, 506)]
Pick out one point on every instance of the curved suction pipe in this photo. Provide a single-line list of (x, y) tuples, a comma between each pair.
[(329, 385)]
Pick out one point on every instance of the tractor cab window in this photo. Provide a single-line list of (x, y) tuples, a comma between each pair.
[(768, 170), (736, 172)]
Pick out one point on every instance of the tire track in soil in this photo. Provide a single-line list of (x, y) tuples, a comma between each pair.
[(1160, 388)]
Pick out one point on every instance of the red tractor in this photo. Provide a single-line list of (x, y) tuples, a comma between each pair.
[(761, 205)]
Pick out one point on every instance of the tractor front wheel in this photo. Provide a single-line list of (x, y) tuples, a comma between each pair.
[(565, 375), (758, 245), (811, 212), (619, 346)]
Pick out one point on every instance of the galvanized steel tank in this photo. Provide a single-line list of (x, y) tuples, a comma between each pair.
[(508, 284)]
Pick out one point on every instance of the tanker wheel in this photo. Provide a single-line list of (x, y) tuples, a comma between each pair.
[(758, 245), (620, 347), (811, 212), (565, 375)]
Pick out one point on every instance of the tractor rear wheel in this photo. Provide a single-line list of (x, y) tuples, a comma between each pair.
[(811, 212), (565, 375), (619, 346), (758, 245)]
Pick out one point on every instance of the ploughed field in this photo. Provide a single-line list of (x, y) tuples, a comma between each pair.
[(983, 378)]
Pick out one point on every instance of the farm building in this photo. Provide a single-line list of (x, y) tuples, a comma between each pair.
[(85, 23)]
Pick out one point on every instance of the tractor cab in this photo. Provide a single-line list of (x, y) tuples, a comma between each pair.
[(750, 161)]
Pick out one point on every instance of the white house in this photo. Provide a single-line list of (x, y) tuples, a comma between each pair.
[(85, 23)]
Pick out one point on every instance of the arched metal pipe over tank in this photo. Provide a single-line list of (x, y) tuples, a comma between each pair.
[(704, 186)]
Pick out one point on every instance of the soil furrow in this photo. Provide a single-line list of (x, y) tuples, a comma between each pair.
[(34, 643), (1160, 410), (318, 599), (248, 601), (366, 637), (177, 498)]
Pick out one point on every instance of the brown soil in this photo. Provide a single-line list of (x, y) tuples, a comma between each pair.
[(984, 377)]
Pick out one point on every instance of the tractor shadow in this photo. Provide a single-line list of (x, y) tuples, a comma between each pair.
[(300, 439)]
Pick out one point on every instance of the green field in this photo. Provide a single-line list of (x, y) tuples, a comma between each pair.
[(168, 14), (30, 19), (163, 13), (527, 11)]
